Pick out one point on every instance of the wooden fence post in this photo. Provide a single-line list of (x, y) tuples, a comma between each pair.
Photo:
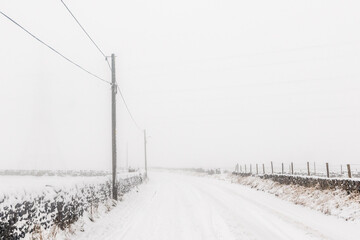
[(282, 168), (349, 170), (272, 168), (240, 168), (264, 168), (308, 168), (245, 168), (250, 169), (292, 168), (257, 170), (314, 168), (327, 170), (341, 171)]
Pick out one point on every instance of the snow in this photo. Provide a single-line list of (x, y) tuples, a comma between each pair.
[(90, 194), (32, 185), (332, 202), (180, 206)]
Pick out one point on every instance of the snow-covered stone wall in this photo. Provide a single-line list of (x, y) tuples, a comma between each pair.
[(348, 185), (59, 208)]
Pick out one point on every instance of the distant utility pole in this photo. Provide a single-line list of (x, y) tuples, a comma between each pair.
[(113, 123), (127, 156), (145, 142)]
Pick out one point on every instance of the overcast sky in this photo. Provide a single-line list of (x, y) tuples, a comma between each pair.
[(214, 82)]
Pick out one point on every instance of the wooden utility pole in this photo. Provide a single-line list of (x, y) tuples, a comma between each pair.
[(127, 156), (113, 123), (145, 142)]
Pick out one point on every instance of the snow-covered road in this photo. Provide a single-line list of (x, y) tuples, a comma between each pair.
[(176, 206)]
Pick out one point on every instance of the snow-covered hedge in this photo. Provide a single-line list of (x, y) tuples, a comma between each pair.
[(22, 215)]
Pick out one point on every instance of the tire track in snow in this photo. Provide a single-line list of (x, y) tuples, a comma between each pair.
[(255, 223)]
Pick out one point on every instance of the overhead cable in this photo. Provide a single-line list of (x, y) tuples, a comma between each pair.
[(54, 50), (102, 53), (127, 108)]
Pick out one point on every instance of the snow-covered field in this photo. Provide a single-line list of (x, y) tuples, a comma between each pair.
[(13, 185), (16, 186), (182, 206)]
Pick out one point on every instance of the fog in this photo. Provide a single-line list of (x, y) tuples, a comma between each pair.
[(213, 82)]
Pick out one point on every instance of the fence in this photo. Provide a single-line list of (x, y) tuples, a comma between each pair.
[(304, 169)]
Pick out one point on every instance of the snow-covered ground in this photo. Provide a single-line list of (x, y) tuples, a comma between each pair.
[(331, 202), (181, 206), (23, 185)]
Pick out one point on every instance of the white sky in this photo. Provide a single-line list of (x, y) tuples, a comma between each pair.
[(213, 82)]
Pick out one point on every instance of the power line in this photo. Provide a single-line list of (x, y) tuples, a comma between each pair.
[(77, 65), (54, 50), (127, 108), (87, 34), (102, 53)]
